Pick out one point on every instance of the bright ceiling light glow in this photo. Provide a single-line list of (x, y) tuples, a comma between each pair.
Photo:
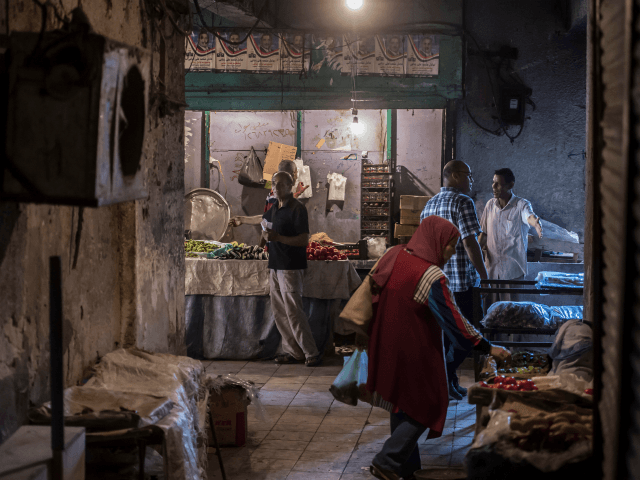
[(357, 128), (354, 4)]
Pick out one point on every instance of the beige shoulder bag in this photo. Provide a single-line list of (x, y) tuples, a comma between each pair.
[(359, 309)]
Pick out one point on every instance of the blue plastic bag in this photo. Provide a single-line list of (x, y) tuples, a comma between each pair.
[(349, 385)]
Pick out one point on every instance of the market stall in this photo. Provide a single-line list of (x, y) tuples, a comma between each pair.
[(228, 310)]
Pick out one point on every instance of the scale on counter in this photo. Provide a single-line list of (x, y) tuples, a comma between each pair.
[(206, 215)]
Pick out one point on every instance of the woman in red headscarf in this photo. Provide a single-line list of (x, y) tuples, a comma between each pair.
[(407, 374)]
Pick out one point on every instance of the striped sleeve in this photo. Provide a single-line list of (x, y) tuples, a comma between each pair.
[(459, 330), (421, 295)]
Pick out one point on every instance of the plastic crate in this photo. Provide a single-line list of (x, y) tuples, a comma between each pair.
[(354, 251)]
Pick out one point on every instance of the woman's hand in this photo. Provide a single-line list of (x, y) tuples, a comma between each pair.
[(235, 221), (500, 353)]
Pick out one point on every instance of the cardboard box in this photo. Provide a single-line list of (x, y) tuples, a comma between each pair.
[(410, 217), (412, 202), (229, 409), (276, 152), (405, 230)]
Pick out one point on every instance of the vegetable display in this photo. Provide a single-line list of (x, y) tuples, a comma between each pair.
[(199, 246), (511, 384), (527, 363), (230, 251), (529, 315), (316, 251)]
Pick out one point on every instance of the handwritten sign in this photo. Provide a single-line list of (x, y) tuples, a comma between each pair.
[(276, 152)]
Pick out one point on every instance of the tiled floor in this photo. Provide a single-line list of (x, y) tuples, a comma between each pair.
[(309, 435)]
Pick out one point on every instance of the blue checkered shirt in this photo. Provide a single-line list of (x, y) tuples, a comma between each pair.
[(460, 210)]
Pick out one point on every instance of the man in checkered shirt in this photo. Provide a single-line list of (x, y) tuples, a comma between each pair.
[(454, 204)]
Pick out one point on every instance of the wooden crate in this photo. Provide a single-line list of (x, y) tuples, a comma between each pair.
[(405, 230), (413, 202), (409, 217)]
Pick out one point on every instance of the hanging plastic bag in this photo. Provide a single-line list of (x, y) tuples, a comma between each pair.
[(337, 186), (350, 384), (304, 177), (251, 172)]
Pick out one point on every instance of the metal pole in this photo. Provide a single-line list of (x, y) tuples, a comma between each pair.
[(56, 354)]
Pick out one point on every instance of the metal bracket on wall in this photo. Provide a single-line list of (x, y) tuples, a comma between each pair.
[(299, 135)]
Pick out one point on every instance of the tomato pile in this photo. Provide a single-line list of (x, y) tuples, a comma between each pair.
[(316, 251), (510, 383)]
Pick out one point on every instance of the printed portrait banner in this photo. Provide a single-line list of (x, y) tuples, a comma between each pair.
[(359, 55), (295, 54), (423, 55), (264, 52), (390, 54), (328, 51), (200, 51), (232, 58)]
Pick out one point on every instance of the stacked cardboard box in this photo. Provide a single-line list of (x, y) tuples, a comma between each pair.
[(410, 209), (229, 409)]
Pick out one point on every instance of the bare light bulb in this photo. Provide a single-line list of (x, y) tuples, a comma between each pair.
[(357, 128), (354, 4)]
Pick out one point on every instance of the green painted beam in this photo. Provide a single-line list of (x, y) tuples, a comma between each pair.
[(327, 89), (206, 150), (389, 134), (299, 135)]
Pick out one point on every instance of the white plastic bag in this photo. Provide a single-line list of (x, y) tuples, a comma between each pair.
[(337, 186), (304, 177), (376, 247)]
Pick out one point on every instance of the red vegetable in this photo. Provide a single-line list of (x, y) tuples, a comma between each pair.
[(484, 384), (499, 379), (589, 391), (509, 381), (510, 387)]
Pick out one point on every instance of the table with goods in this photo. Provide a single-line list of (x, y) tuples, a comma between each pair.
[(228, 309)]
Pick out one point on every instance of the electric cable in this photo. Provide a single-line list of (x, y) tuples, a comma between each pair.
[(219, 37)]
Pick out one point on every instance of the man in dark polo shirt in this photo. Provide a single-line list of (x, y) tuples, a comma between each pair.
[(288, 236)]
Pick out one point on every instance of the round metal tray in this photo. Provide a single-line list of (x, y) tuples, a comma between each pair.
[(206, 214)]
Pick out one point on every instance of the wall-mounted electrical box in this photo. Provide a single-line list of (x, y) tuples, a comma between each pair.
[(76, 120), (512, 105)]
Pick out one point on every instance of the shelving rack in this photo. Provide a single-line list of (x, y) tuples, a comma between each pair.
[(377, 200)]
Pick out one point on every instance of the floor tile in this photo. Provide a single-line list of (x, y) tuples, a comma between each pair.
[(310, 402), (320, 380), (298, 446), (460, 441), (357, 467), (315, 387), (339, 429), (348, 412), (315, 411), (288, 379), (313, 476), (457, 460), (465, 431), (435, 449), (344, 420), (295, 427), (351, 438), (255, 437), (281, 387), (293, 418), (365, 475), (279, 453), (329, 447), (289, 435)]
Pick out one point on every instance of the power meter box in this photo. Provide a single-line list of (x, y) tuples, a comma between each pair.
[(76, 119), (512, 105)]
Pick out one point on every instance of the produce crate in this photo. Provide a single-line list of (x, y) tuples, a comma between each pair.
[(413, 202), (409, 217), (405, 230), (354, 251)]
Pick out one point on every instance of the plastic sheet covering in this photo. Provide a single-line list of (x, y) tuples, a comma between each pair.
[(326, 280), (217, 382), (529, 315), (244, 328), (376, 247), (178, 378), (304, 177), (496, 438), (100, 410), (572, 350), (560, 280), (567, 382), (555, 232)]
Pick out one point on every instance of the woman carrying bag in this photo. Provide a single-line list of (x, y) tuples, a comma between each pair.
[(412, 305)]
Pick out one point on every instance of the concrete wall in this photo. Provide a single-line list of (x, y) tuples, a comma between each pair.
[(123, 266), (547, 158), (193, 150)]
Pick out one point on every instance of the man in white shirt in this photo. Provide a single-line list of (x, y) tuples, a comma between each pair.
[(505, 225)]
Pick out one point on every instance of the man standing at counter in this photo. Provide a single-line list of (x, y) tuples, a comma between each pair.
[(287, 232), (453, 203), (505, 226)]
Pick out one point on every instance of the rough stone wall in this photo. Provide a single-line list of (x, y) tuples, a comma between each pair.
[(547, 158), (123, 274)]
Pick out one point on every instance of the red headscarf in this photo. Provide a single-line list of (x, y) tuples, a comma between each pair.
[(433, 234)]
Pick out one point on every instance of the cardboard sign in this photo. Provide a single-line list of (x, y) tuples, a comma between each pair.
[(275, 154)]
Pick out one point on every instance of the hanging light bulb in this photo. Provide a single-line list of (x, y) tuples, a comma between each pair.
[(357, 128), (354, 4)]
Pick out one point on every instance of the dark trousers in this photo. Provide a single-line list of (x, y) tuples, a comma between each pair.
[(400, 452), (455, 356)]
